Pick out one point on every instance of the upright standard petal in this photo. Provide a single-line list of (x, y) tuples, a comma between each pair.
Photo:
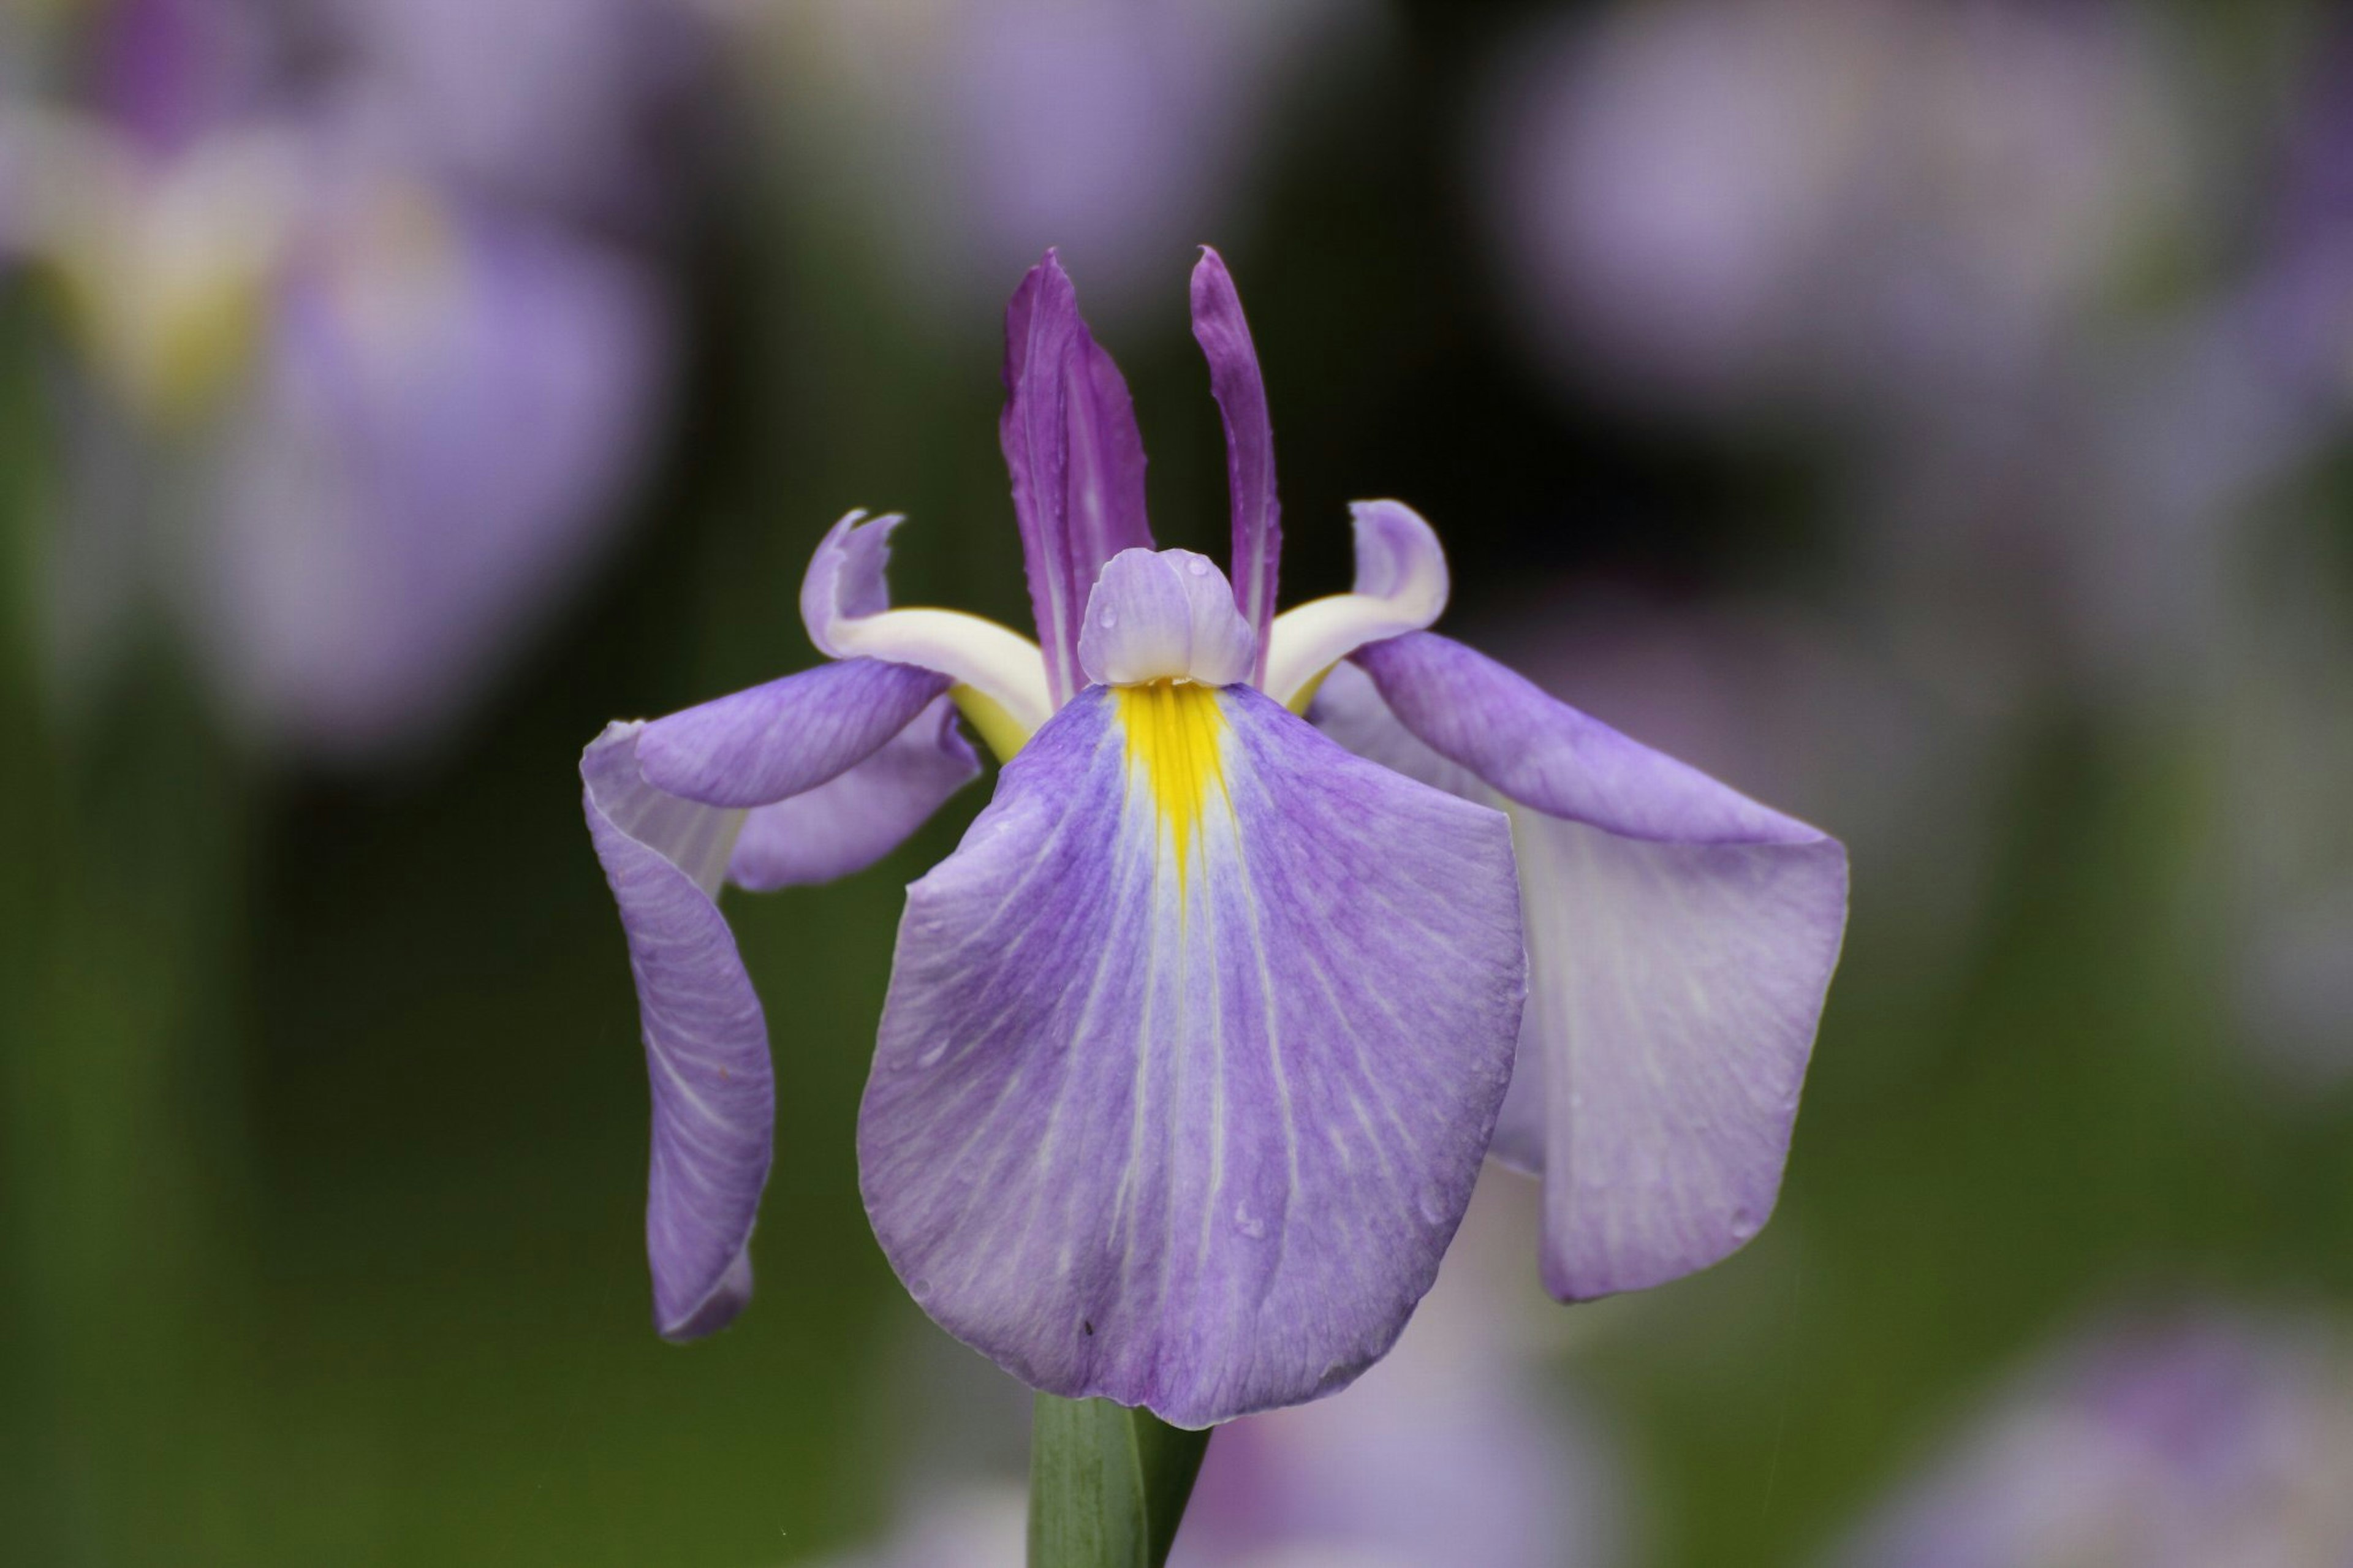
[(1076, 458), (1190, 1055), (706, 1042), (1681, 939), (1219, 327)]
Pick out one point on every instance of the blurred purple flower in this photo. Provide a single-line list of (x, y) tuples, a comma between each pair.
[(974, 133), (449, 401), (1299, 976), (2181, 1442), (1851, 197), (577, 106), (374, 411), (1455, 1450)]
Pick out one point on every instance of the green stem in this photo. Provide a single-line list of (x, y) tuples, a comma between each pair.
[(1107, 1484)]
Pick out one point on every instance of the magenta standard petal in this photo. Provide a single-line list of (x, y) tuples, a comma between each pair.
[(1191, 1054), (852, 820), (1077, 460), (706, 1042), (1681, 939), (789, 736), (1225, 340)]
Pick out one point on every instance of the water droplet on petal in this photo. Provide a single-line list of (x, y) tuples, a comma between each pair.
[(1744, 1225), (1249, 1224), (1433, 1206), (1198, 567), (1108, 618)]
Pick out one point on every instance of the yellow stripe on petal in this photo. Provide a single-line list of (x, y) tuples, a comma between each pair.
[(1174, 733)]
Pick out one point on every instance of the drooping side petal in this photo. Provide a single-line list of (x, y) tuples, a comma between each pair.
[(1076, 458), (1191, 1054), (1401, 587), (846, 605), (706, 1042), (852, 820), (1219, 327), (787, 737), (1681, 939)]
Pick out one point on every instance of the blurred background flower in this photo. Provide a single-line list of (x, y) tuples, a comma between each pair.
[(1929, 415), (1457, 1448), (363, 367), (2204, 1436)]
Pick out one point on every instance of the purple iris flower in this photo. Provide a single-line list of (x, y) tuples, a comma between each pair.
[(1193, 1047)]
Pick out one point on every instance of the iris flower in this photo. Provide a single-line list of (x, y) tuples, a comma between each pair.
[(1193, 1047)]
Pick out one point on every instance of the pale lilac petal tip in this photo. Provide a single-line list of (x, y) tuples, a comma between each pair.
[(846, 578), (787, 737), (852, 820), (1178, 1100), (1234, 377), (1681, 940), (1076, 458), (706, 1039)]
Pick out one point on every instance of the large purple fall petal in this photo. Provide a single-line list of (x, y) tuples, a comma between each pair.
[(1191, 1054), (1076, 458), (706, 1041), (787, 737), (1225, 338), (850, 821), (1681, 939)]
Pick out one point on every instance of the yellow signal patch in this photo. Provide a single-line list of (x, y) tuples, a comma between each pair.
[(1174, 734)]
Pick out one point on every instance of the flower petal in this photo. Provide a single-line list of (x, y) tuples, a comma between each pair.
[(852, 820), (1190, 1054), (787, 737), (1077, 460), (1401, 587), (1163, 615), (706, 1041), (1681, 939), (846, 606), (1224, 335)]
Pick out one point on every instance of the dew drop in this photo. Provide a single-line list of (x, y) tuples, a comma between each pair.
[(1249, 1224), (920, 1287), (1108, 619), (1198, 567), (1432, 1203), (1744, 1225)]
